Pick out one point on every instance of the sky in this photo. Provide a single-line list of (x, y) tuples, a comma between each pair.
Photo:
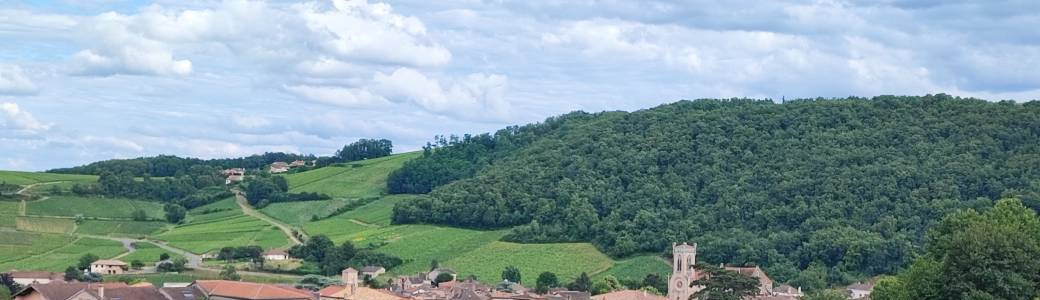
[(82, 81)]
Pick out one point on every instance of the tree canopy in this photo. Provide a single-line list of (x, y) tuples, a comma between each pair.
[(844, 188), (975, 255)]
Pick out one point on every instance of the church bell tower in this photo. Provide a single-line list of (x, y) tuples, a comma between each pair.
[(684, 257)]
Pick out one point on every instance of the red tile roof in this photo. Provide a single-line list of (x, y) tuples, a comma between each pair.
[(251, 291)]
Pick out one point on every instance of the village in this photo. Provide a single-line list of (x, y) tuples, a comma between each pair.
[(437, 284)]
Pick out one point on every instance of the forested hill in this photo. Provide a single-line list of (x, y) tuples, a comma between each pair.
[(813, 190)]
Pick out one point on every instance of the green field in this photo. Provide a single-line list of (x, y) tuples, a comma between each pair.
[(298, 213), (235, 230), (636, 268), (27, 178), (16, 245), (69, 206), (357, 179), (566, 260), (119, 228), (146, 253), (214, 211), (42, 224), (43, 256)]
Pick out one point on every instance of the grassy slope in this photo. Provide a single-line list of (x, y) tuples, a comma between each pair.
[(468, 251), (119, 228), (50, 252), (69, 206), (358, 179), (147, 253), (207, 232), (27, 178)]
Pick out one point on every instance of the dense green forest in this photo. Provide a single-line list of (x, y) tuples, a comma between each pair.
[(974, 255), (816, 191), (452, 158), (169, 165)]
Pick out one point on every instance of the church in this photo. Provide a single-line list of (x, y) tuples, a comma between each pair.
[(684, 272)]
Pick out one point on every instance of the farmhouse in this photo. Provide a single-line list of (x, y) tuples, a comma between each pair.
[(279, 167), (297, 163), (32, 277), (106, 266), (234, 175), (276, 254), (860, 290), (239, 290), (372, 271)]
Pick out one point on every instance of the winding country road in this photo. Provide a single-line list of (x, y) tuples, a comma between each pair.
[(240, 197)]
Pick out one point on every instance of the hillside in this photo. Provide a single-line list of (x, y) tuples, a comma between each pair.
[(844, 188), (471, 252)]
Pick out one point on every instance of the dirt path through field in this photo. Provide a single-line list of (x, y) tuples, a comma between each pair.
[(249, 210), (359, 222)]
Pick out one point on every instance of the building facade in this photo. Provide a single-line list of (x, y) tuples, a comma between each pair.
[(684, 258)]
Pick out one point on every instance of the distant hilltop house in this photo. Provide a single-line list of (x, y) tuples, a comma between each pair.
[(276, 254), (860, 290), (234, 175), (279, 167), (35, 277), (108, 267), (297, 163)]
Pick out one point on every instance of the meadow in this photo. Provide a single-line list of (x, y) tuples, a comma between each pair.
[(147, 253), (16, 245), (298, 213), (567, 260), (233, 230), (636, 268), (119, 228), (97, 207), (27, 178), (44, 224), (366, 178), (42, 254)]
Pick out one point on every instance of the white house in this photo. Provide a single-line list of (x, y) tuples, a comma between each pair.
[(107, 266), (276, 254), (860, 290)]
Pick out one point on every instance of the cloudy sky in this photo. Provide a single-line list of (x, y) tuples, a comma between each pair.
[(82, 81)]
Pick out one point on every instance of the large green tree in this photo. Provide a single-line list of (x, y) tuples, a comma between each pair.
[(722, 284), (989, 254), (546, 281)]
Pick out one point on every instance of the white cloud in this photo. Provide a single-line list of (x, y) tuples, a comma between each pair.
[(15, 119), (14, 82), (339, 96), (372, 32), (476, 96)]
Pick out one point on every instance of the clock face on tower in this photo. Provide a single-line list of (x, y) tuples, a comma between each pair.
[(678, 284)]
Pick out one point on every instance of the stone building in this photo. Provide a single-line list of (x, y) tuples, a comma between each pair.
[(684, 258)]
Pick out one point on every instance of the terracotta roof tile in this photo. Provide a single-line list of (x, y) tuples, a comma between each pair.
[(250, 291)]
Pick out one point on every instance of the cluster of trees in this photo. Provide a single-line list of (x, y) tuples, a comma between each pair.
[(990, 254), (452, 158), (264, 190), (331, 259), (816, 192), (7, 286), (173, 166), (241, 252), (365, 149)]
